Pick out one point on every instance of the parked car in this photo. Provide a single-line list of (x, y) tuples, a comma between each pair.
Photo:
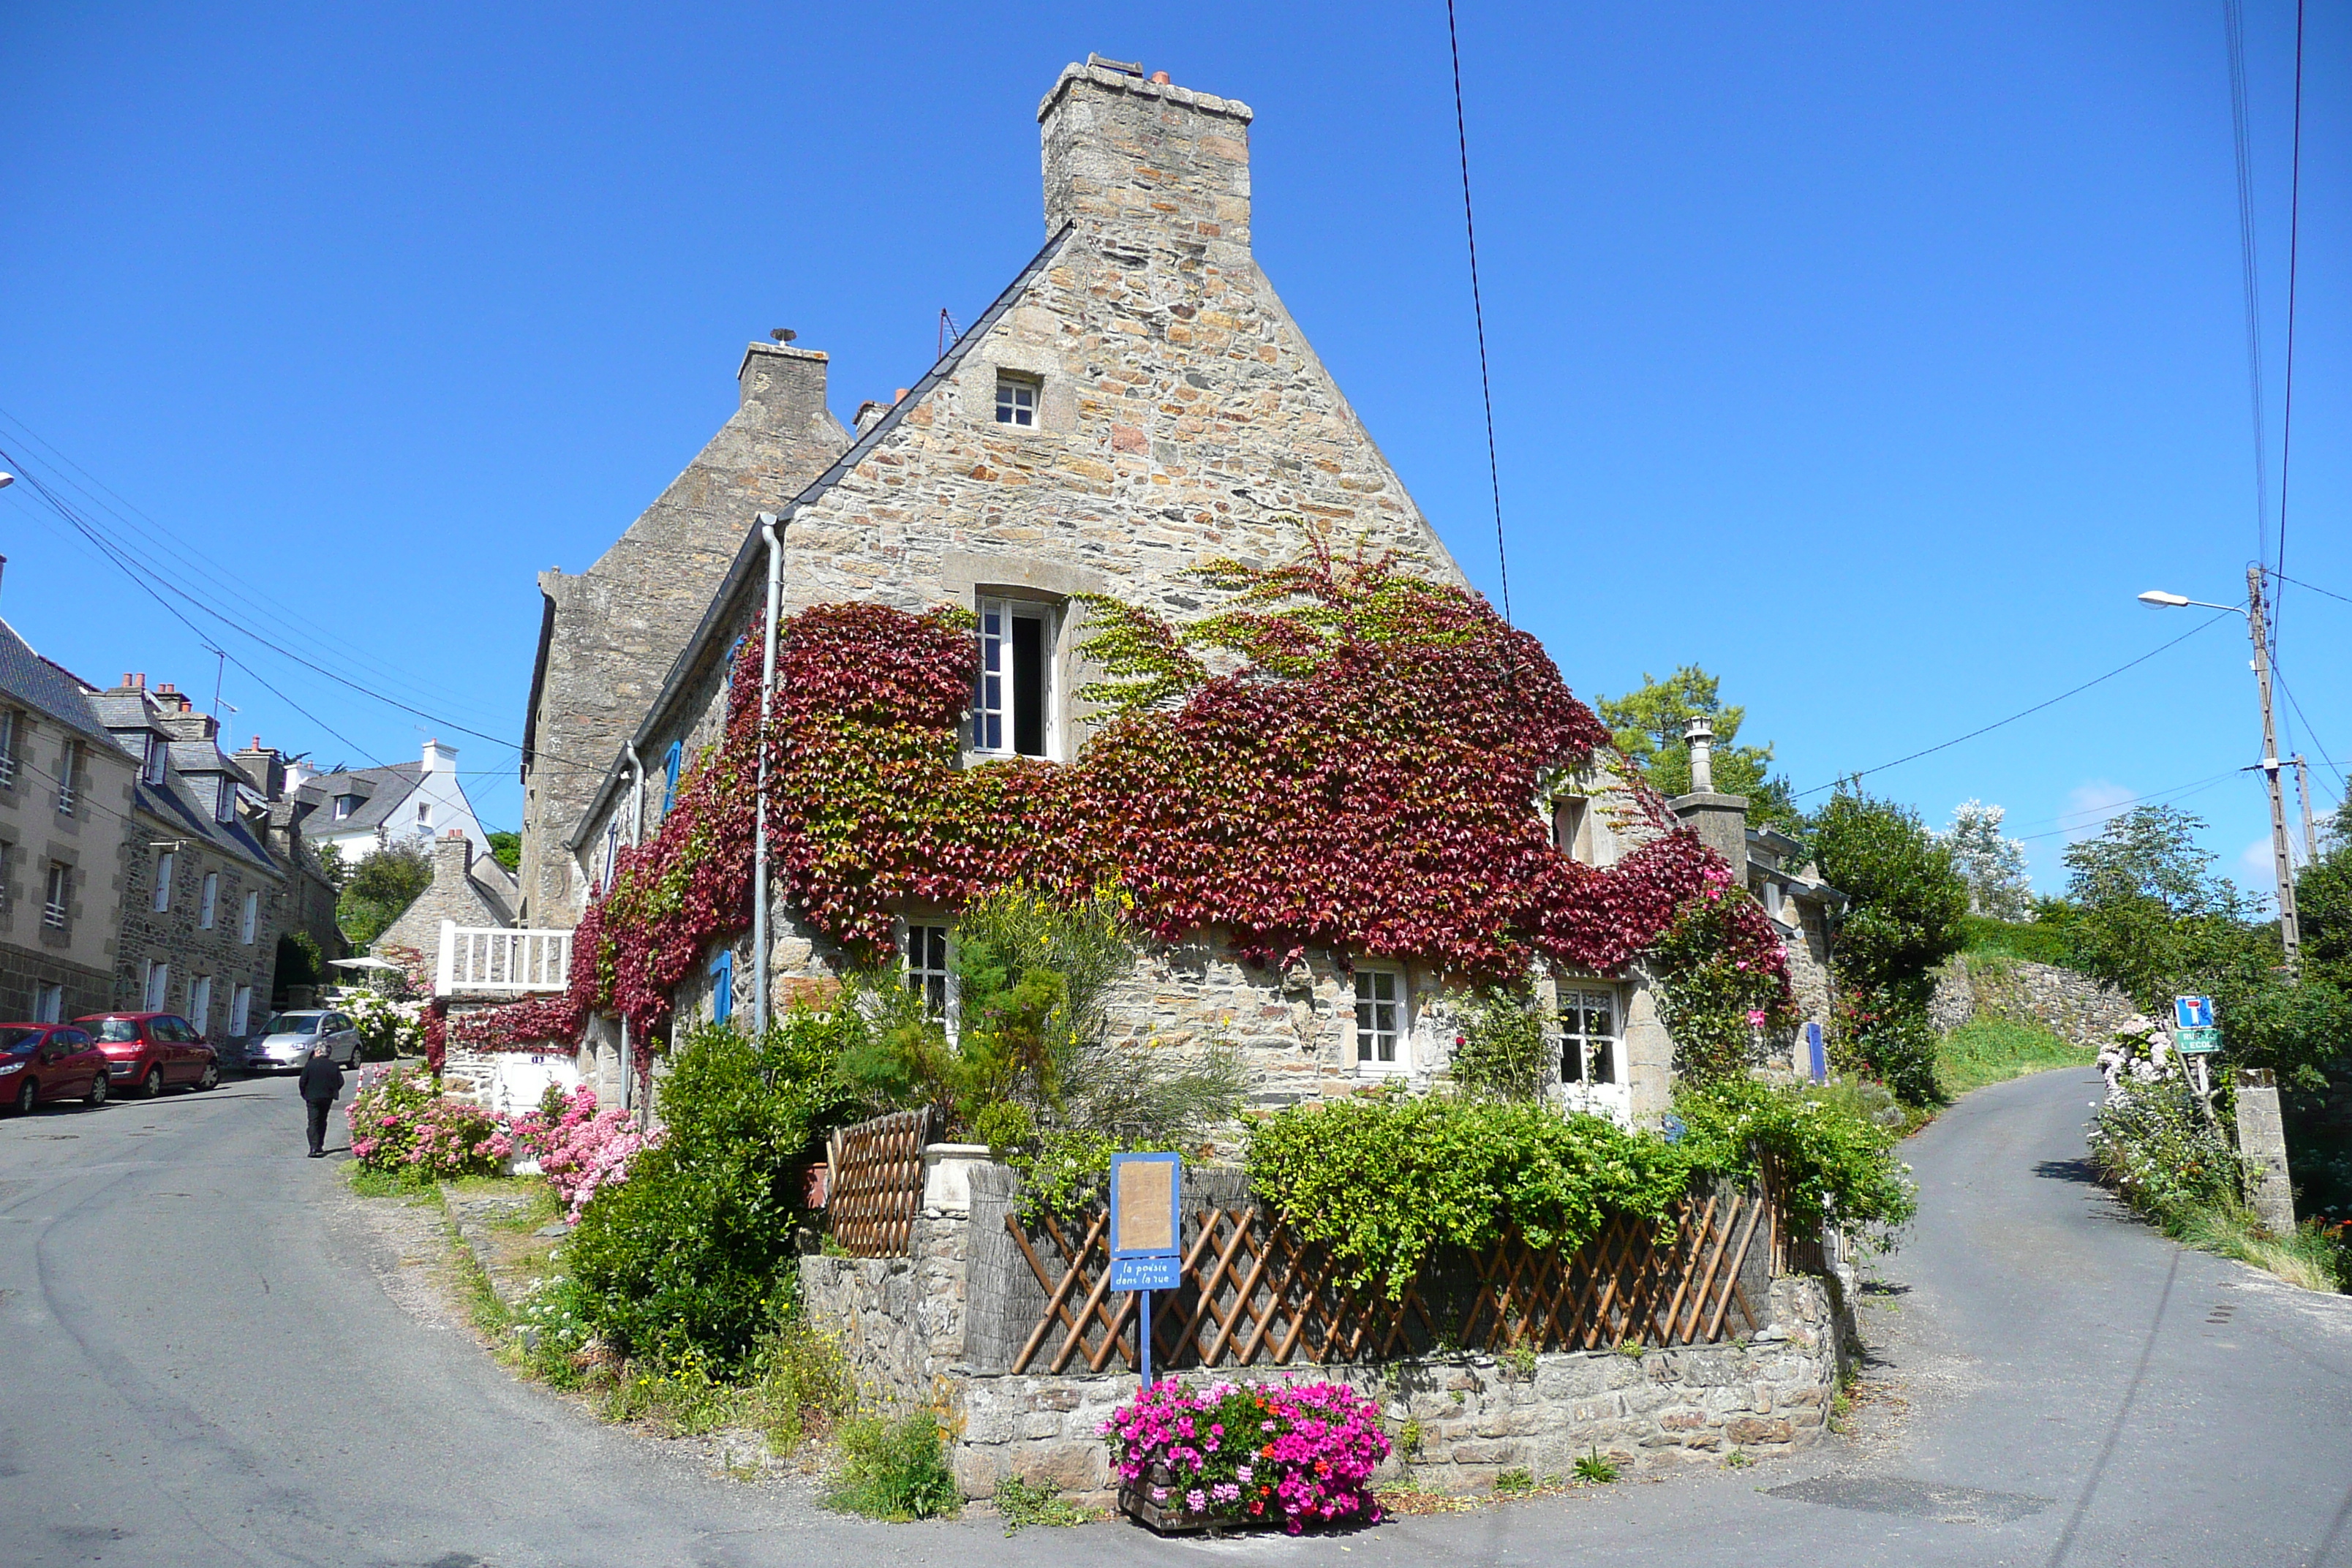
[(44, 1062), (291, 1036), (152, 1051)]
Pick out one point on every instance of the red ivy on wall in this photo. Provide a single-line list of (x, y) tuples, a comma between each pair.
[(1361, 778)]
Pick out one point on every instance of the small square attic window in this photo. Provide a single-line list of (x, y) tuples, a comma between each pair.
[(1016, 400)]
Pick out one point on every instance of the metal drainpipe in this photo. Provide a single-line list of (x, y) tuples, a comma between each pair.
[(636, 831), (759, 799)]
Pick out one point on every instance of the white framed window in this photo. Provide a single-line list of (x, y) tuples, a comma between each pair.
[(225, 800), (1379, 1020), (928, 975), (425, 817), (1016, 400), (163, 864), (200, 1003), (209, 905), (345, 805), (240, 1010), (9, 727), (68, 775), (158, 990), (252, 918), (150, 759), (1013, 699), (54, 894), (1590, 1035), (48, 1003)]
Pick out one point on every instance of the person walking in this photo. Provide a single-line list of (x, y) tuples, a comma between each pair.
[(322, 1084)]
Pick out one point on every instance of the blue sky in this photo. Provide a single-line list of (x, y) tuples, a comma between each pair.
[(1872, 357)]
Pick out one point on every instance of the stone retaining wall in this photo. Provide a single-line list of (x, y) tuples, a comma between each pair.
[(2069, 1004), (939, 1328)]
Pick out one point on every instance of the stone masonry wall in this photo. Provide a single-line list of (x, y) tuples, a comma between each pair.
[(2069, 1004), (178, 937), (940, 1327)]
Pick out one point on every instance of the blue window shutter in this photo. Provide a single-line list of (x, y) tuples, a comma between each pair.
[(734, 651), (722, 995), (669, 795)]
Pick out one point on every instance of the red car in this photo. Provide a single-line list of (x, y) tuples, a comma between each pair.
[(44, 1062), (152, 1051)]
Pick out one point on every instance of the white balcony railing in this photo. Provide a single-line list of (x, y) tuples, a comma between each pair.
[(502, 958)]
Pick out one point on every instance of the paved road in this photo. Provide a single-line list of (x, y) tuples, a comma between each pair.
[(208, 1355)]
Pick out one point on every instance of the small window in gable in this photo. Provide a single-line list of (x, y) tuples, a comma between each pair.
[(1016, 399), (1379, 1020), (1571, 826), (424, 816)]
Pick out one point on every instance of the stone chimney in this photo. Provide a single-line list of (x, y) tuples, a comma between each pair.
[(1145, 158), (1720, 820), (785, 387), (178, 717), (264, 768), (453, 858)]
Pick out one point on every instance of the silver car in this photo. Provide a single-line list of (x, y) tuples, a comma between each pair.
[(291, 1038)]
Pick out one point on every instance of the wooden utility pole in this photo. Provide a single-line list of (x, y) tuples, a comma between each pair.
[(2282, 853)]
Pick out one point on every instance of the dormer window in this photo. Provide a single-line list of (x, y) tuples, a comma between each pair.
[(345, 805), (1012, 706), (1016, 400), (225, 801), (150, 759)]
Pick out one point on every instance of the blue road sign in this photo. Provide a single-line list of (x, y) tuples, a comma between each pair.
[(2193, 1011), (1165, 1272)]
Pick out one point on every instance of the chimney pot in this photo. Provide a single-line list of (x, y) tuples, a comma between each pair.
[(1698, 734), (1160, 79)]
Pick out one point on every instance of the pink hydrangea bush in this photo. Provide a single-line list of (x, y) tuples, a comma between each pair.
[(1250, 1453), (402, 1125), (579, 1148)]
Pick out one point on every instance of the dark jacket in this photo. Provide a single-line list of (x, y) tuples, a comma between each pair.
[(323, 1080)]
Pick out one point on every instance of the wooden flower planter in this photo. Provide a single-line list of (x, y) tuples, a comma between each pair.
[(1173, 1517)]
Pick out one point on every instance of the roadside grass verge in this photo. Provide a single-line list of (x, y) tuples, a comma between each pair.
[(894, 1470), (1993, 1050), (2310, 1256)]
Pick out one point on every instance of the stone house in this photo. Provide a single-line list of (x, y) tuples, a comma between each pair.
[(204, 899), (357, 811), (310, 897), (66, 816), (1136, 403), (608, 636), (470, 890)]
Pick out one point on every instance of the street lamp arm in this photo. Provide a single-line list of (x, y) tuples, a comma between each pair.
[(2156, 598)]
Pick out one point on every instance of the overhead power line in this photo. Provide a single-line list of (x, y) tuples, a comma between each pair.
[(2312, 587), (2022, 714), (1478, 308), (2234, 31), (2294, 262)]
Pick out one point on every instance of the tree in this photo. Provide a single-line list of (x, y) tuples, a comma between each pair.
[(2323, 899), (2149, 916), (381, 886), (506, 848), (1993, 866), (1647, 725), (1909, 901)]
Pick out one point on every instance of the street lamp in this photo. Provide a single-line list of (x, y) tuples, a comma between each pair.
[(2281, 861)]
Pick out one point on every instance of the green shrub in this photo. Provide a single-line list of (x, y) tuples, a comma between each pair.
[(2154, 1143), (688, 1261), (1499, 1053), (1385, 1180), (893, 1470), (1019, 1504), (2032, 940)]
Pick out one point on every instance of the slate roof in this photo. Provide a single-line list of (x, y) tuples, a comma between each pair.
[(47, 689), (383, 790)]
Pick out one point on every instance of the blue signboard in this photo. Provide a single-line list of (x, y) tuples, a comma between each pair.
[(2193, 1011), (1160, 1273)]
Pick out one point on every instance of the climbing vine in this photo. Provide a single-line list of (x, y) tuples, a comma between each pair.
[(1341, 756)]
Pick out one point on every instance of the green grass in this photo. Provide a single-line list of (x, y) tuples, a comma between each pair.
[(1994, 1051), (2027, 939), (1019, 1504), (1594, 1467), (2308, 1257), (893, 1470), (1515, 1481), (370, 1183)]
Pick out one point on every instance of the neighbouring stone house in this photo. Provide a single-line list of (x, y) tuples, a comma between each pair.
[(204, 899), (1135, 403), (470, 890), (66, 818), (311, 894)]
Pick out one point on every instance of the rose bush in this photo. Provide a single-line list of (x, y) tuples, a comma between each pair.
[(1242, 1452), (404, 1125)]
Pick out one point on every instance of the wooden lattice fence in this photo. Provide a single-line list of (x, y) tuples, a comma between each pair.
[(875, 1183), (1255, 1292)]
